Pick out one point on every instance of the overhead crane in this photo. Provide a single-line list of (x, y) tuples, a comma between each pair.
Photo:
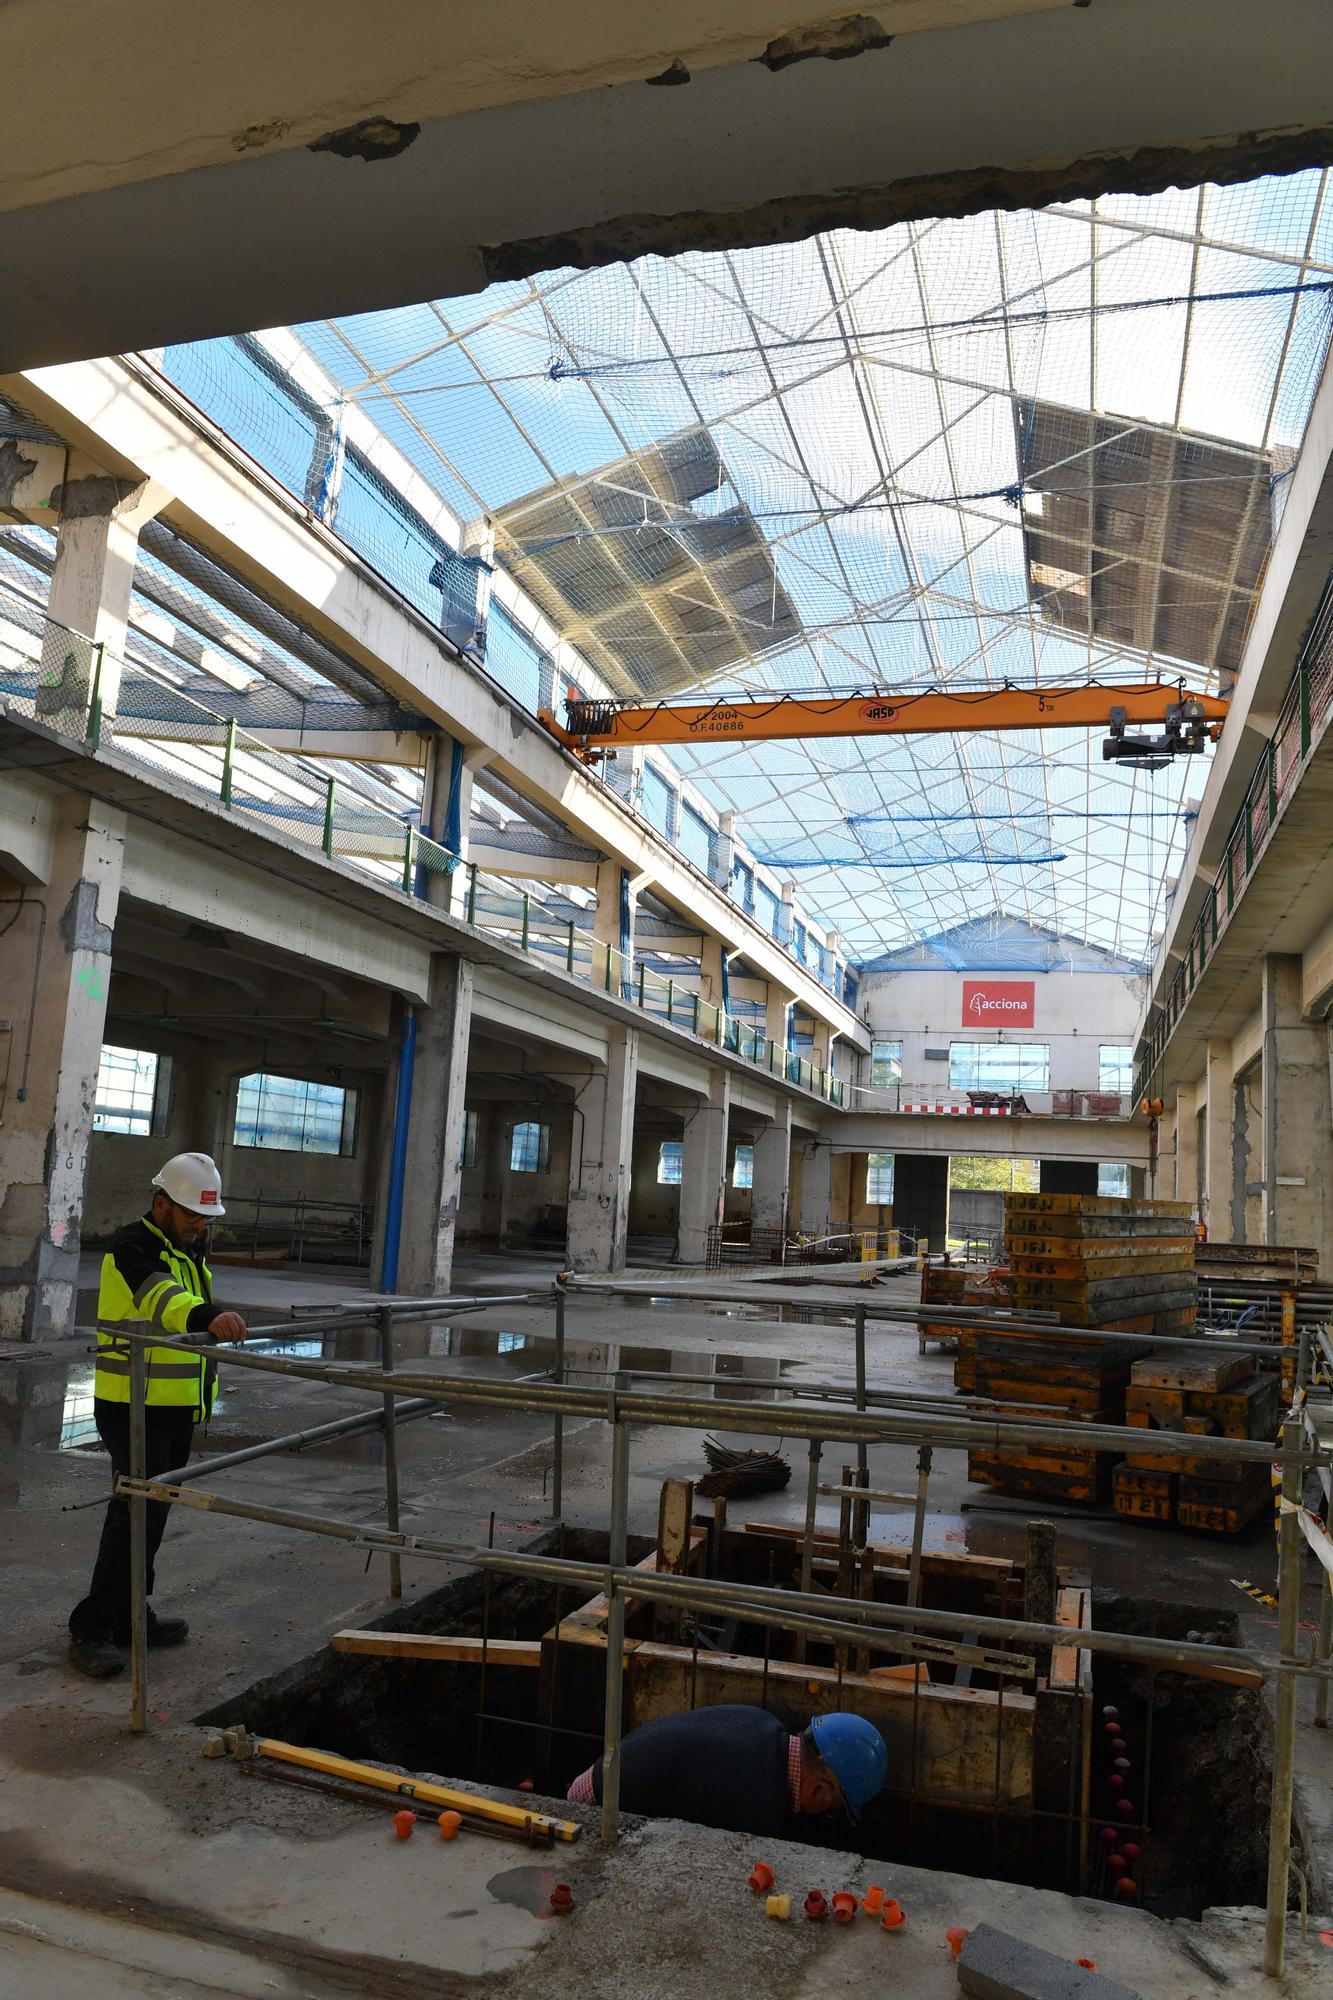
[(1185, 719)]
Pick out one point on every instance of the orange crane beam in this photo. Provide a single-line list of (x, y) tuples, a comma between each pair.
[(594, 726)]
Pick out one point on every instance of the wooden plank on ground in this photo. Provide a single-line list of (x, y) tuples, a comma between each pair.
[(464, 1649)]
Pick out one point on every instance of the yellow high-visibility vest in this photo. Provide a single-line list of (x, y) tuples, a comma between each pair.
[(166, 1297)]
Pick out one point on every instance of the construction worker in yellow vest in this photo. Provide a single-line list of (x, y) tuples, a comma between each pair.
[(155, 1274)]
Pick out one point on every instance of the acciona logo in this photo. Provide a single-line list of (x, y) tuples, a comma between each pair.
[(998, 1003)]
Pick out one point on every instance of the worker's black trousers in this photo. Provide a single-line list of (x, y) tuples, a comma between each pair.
[(105, 1611)]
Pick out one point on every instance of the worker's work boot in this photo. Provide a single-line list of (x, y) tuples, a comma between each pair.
[(161, 1631), (166, 1631), (98, 1658)]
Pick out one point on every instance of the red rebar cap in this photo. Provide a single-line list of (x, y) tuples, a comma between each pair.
[(403, 1822), (815, 1906), (562, 1897), (761, 1877), (844, 1905)]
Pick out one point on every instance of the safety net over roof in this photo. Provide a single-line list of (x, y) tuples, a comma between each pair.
[(1037, 447)]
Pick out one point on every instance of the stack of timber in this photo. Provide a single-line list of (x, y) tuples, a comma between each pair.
[(1103, 1262), (1093, 1262), (1222, 1396), (1066, 1381)]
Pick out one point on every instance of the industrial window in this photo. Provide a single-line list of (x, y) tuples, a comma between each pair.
[(879, 1179), (696, 838), (471, 1135), (886, 1064), (530, 1149), (1113, 1179), (742, 1167), (287, 1114), (1115, 1067), (670, 1162), (999, 1066), (126, 1091)]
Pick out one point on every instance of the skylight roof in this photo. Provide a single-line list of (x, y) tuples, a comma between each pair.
[(861, 403)]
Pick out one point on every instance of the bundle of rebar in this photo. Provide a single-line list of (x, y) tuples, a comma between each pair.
[(737, 1474)]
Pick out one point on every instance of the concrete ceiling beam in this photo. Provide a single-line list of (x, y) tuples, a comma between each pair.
[(196, 176)]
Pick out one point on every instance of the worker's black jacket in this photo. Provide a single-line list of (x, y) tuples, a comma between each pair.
[(724, 1767)]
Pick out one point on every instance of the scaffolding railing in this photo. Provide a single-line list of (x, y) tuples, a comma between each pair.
[(855, 1415), (1282, 763), (76, 687)]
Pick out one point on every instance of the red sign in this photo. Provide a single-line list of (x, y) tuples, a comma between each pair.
[(998, 1003)]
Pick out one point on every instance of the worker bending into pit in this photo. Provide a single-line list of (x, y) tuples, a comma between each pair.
[(741, 1769), (154, 1274)]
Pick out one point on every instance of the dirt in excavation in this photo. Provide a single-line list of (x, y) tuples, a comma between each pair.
[(1207, 1750)]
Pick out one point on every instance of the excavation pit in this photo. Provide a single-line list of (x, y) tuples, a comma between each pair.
[(994, 1775)]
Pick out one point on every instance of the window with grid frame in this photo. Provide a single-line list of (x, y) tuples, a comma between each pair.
[(886, 1064), (530, 1149), (290, 1114), (742, 1167), (879, 1180), (126, 1091), (999, 1066), (1115, 1067), (670, 1162)]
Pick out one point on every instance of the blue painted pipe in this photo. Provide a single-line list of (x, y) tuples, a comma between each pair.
[(402, 1111)]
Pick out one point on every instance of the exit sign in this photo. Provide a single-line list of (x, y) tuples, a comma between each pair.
[(998, 1003)]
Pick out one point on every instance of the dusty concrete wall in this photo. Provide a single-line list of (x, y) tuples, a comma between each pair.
[(1073, 1012)]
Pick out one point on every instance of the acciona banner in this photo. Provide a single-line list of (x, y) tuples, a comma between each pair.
[(998, 1003)]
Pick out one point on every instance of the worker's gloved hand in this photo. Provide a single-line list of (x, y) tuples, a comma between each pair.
[(227, 1326)]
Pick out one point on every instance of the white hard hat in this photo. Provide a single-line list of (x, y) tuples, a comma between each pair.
[(192, 1181)]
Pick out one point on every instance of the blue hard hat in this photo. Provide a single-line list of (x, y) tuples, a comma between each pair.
[(854, 1752)]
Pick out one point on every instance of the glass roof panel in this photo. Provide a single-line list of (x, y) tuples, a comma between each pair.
[(874, 400)]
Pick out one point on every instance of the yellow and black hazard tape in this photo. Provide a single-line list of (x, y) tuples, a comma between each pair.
[(1263, 1597)]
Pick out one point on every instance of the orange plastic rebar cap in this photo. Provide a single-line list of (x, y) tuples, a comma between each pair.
[(893, 1914), (761, 1877), (449, 1823), (957, 1938), (873, 1901), (403, 1822), (844, 1905)]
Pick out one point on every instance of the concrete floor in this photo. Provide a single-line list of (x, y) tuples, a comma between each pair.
[(134, 1860)]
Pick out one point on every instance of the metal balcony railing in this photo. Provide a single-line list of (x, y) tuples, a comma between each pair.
[(1276, 776), (921, 1100), (72, 685)]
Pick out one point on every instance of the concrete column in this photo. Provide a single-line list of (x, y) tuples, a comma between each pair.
[(1187, 1145), (1247, 1156), (816, 1211), (97, 540), (1298, 1127), (786, 913), (606, 919), (775, 1014), (55, 969), (599, 1167), (724, 851), (770, 1187), (710, 969), (1164, 1182), (434, 1131), (1217, 1144), (703, 1183), (213, 1103)]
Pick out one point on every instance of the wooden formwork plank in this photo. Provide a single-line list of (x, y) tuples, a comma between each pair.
[(1024, 1203), (465, 1649), (1186, 1368), (956, 1728)]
